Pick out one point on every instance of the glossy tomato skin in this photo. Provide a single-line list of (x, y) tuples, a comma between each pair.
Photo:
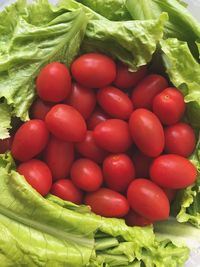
[(135, 219), (180, 139), (96, 117), (142, 164), (89, 148), (59, 156), (118, 172), (107, 203), (37, 174), (25, 145), (94, 70), (54, 82), (66, 190), (113, 135), (147, 132), (169, 106), (66, 123), (115, 102), (173, 171), (39, 109), (126, 79), (86, 175), (145, 91), (82, 99), (5, 144), (148, 200)]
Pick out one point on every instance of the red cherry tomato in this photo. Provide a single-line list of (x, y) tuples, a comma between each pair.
[(148, 200), (97, 116), (89, 148), (170, 193), (142, 164), (54, 82), (94, 70), (147, 89), (29, 140), (107, 203), (126, 79), (115, 102), (37, 174), (86, 175), (179, 139), (66, 123), (59, 156), (39, 109), (118, 172), (82, 99), (135, 219), (113, 135), (65, 189), (169, 106), (147, 132), (5, 144), (173, 171)]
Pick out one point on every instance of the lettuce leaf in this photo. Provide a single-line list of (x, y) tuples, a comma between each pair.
[(5, 120), (51, 232)]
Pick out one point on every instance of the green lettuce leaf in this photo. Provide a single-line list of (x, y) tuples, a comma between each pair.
[(51, 232), (5, 120), (30, 37)]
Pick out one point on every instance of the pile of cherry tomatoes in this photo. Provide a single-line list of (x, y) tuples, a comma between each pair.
[(107, 137)]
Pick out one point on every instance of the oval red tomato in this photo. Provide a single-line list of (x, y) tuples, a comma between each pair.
[(59, 156), (118, 172), (66, 123), (94, 70), (113, 135), (37, 174), (29, 140), (148, 200), (39, 109), (142, 164), (147, 132), (97, 116), (82, 99), (65, 189), (170, 193), (180, 139), (107, 203), (115, 102), (169, 106), (173, 171), (86, 175), (135, 219), (147, 89), (54, 82)]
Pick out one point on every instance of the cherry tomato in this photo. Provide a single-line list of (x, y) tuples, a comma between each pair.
[(170, 193), (39, 109), (147, 132), (169, 106), (82, 99), (94, 70), (118, 172), (173, 171), (86, 175), (126, 79), (148, 200), (107, 203), (179, 139), (59, 156), (97, 116), (115, 102), (113, 135), (5, 144), (142, 164), (54, 82), (89, 148), (37, 174), (135, 219), (65, 189), (147, 89), (29, 140), (66, 123)]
